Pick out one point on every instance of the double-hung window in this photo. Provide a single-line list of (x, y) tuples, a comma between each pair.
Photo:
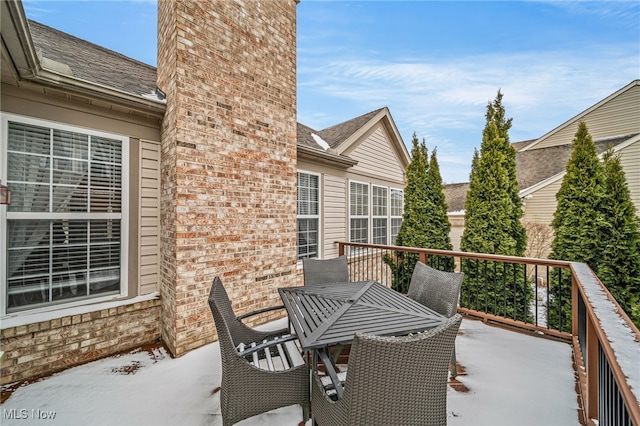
[(358, 212), (308, 214), (397, 209), (64, 233), (375, 213), (379, 200)]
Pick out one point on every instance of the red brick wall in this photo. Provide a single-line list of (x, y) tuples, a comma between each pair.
[(42, 348), (228, 68)]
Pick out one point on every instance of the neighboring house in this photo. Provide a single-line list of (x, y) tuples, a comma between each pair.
[(614, 123), (351, 180), (127, 200)]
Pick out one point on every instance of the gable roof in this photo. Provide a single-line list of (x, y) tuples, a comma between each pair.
[(337, 140), (534, 166), (626, 90), (336, 135)]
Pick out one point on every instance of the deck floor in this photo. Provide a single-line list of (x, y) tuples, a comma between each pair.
[(508, 378)]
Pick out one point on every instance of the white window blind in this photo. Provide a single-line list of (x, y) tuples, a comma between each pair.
[(380, 214), (308, 214), (64, 227)]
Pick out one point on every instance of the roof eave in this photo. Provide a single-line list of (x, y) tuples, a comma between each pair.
[(19, 44), (325, 157)]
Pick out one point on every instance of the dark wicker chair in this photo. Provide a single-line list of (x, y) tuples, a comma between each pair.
[(249, 387), (437, 290), (322, 271), (391, 381)]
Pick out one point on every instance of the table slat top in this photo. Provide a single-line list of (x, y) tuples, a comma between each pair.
[(330, 314)]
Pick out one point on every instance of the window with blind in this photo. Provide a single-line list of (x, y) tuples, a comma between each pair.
[(359, 212), (396, 211), (64, 232), (379, 198), (375, 213), (308, 214)]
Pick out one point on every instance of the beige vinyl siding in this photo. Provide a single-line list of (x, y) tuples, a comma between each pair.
[(376, 158), (149, 218), (334, 214), (618, 116), (630, 160), (542, 204)]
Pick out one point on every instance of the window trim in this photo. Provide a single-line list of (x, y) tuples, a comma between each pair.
[(124, 215), (352, 216), (391, 215), (370, 215), (318, 216)]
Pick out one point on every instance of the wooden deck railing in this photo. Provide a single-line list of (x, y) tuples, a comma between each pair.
[(561, 299)]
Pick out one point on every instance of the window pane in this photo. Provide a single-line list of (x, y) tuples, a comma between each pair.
[(359, 199), (307, 238), (379, 231), (379, 201), (53, 260), (308, 195), (397, 202), (70, 145), (359, 228), (395, 228), (29, 139)]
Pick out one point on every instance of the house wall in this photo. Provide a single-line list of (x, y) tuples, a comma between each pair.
[(618, 116), (630, 161), (377, 158), (228, 159), (377, 164), (43, 342)]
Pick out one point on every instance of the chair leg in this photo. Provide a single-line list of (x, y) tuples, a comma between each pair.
[(305, 412), (454, 365)]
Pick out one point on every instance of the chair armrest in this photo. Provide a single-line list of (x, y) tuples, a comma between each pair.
[(260, 311), (267, 344), (331, 372)]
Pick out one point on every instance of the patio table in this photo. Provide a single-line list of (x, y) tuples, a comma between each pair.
[(330, 314)]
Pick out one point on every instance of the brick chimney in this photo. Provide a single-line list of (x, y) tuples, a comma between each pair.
[(228, 68)]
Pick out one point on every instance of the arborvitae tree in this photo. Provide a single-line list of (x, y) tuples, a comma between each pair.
[(496, 113), (412, 231), (492, 224), (619, 264), (439, 237), (425, 223), (577, 222)]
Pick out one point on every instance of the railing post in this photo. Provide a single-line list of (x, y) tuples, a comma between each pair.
[(340, 249), (591, 367)]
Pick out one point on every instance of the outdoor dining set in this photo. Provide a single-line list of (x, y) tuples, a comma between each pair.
[(398, 347)]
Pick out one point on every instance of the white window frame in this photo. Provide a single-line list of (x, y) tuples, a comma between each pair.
[(311, 217), (375, 216), (370, 216), (5, 215), (395, 212), (353, 215)]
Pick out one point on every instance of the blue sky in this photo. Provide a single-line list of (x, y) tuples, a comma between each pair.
[(436, 65)]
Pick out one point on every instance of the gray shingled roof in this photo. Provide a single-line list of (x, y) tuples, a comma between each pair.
[(337, 134), (532, 166), (94, 63), (455, 195), (535, 165), (305, 138)]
